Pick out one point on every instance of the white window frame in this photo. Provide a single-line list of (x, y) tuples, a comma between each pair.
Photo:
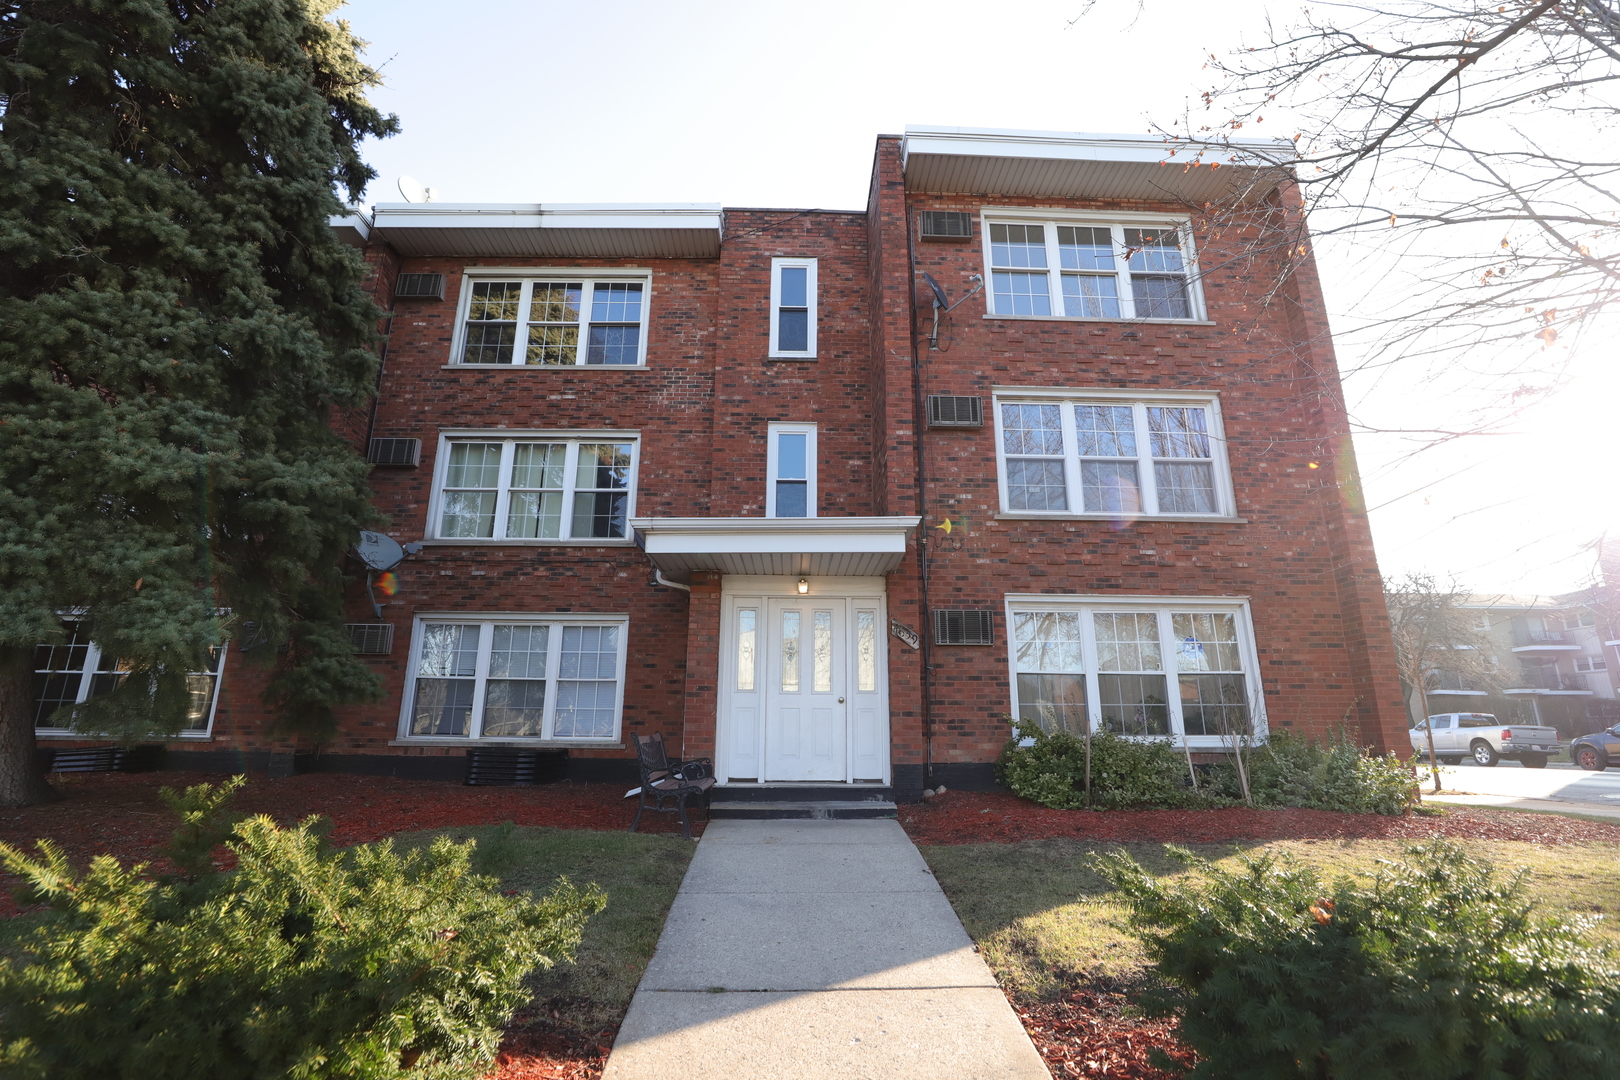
[(510, 438), (487, 620), (1140, 400), (529, 276), (776, 352), (1087, 604), (1117, 222), (1591, 662), (87, 674), (774, 430)]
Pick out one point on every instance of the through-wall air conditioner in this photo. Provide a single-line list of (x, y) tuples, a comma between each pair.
[(419, 287), (371, 639), (947, 410), (946, 225), (959, 626), (402, 452)]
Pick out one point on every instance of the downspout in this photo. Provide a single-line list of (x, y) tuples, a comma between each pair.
[(918, 419), (658, 576)]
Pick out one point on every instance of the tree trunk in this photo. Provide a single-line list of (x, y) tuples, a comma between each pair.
[(22, 783)]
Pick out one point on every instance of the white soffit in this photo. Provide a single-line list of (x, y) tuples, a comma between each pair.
[(541, 230), (798, 547), (994, 161), (353, 228)]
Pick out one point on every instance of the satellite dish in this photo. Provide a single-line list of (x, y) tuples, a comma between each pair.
[(379, 551), (413, 191), (939, 293)]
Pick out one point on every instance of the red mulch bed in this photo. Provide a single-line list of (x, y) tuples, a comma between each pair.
[(980, 817), (1088, 1034)]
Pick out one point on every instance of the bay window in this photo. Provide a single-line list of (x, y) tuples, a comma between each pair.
[(534, 487), (1081, 269), (1166, 668), (1073, 453), (547, 677)]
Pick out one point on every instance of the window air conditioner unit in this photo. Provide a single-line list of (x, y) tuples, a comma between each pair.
[(973, 626), (945, 410), (406, 452), (371, 639), (419, 287), (946, 225)]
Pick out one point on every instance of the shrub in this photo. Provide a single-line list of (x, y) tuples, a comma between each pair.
[(1338, 774), (1051, 770), (303, 962), (1436, 970)]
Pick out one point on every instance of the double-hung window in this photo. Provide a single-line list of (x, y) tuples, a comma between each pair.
[(551, 677), (554, 321), (76, 670), (1091, 270), (1066, 452), (1134, 666), (793, 309), (535, 487), (791, 465)]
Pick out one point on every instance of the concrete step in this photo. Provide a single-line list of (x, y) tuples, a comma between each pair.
[(821, 810), (814, 793)]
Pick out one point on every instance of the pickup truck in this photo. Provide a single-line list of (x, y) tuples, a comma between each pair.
[(1486, 739)]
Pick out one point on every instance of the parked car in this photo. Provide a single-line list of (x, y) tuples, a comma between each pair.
[(1598, 750), (1486, 739)]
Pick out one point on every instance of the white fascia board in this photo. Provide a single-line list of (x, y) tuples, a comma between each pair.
[(353, 227), (1083, 146), (549, 215), (683, 536)]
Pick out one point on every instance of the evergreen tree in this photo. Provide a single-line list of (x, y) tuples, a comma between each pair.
[(177, 324)]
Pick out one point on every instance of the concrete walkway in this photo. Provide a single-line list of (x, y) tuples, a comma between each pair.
[(806, 949)]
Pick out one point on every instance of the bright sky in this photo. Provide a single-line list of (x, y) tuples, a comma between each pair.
[(761, 104)]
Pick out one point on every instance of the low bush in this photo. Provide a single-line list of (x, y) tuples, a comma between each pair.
[(1436, 970), (1050, 768), (302, 962), (1331, 774)]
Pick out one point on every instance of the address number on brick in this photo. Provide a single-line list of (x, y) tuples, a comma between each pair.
[(905, 633)]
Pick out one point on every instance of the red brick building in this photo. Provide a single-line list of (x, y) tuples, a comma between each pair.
[(701, 471)]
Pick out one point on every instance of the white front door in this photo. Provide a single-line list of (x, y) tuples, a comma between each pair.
[(804, 685), (806, 714)]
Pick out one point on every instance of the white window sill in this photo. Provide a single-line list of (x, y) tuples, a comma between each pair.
[(788, 356), (1087, 319), (544, 367), (516, 744), (486, 542), (59, 733), (1213, 519)]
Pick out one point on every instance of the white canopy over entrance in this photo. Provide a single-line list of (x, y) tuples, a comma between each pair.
[(798, 547)]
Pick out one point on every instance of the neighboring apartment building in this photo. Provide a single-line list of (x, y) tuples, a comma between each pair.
[(698, 470), (1553, 660)]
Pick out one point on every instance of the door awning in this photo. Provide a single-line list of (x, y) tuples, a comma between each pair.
[(812, 547)]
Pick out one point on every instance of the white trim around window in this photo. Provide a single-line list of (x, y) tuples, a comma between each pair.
[(793, 309), (790, 470), (77, 670), (544, 317), (499, 486), (1168, 667), (1098, 267), (529, 679), (1111, 454)]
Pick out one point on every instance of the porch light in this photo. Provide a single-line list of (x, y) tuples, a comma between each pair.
[(804, 586)]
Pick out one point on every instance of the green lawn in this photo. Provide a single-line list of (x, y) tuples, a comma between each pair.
[(1045, 922), (640, 875)]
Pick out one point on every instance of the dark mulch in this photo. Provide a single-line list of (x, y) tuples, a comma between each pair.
[(975, 817), (1090, 1032), (535, 1048)]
